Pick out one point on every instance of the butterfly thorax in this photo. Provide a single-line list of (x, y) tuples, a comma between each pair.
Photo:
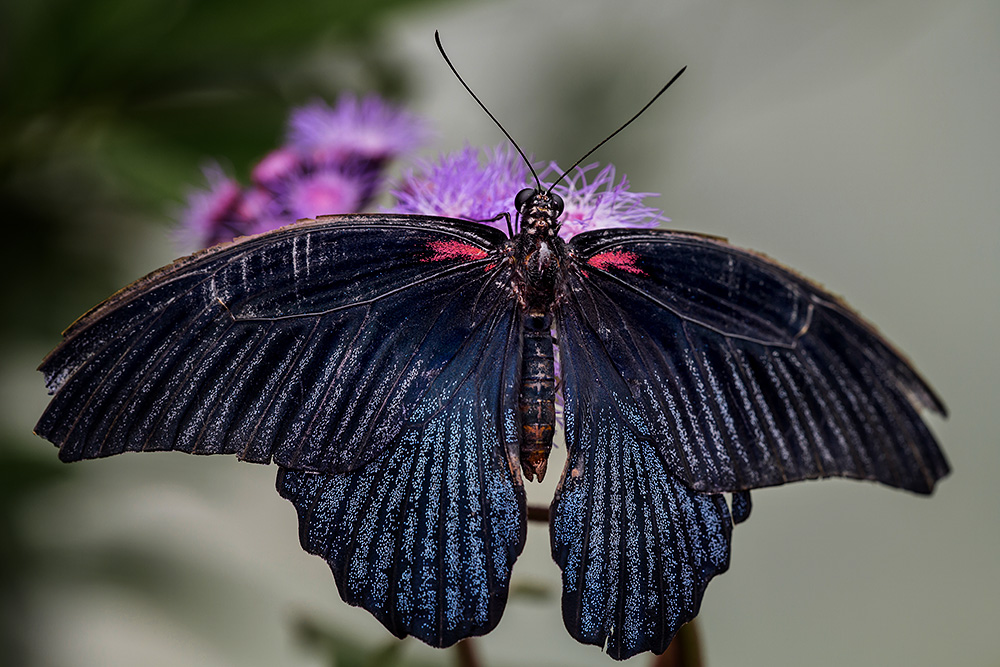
[(538, 250), (538, 257)]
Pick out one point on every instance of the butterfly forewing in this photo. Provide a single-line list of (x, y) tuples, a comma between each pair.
[(309, 345), (741, 372), (424, 537)]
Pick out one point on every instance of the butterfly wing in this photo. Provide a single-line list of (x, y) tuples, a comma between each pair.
[(425, 536), (308, 345), (743, 373), (636, 546), (384, 345)]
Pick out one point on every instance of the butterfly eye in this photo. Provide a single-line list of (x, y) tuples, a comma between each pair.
[(523, 197), (557, 204)]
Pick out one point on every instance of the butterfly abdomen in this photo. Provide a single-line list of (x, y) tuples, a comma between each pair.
[(538, 392)]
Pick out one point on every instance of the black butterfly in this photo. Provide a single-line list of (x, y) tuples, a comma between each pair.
[(399, 370)]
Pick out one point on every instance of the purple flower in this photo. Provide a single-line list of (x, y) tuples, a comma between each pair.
[(468, 186), (334, 162)]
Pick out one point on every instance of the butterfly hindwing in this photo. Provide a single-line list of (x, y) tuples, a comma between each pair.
[(425, 535), (637, 547), (307, 345), (745, 374)]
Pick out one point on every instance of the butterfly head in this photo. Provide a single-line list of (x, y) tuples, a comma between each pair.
[(540, 211)]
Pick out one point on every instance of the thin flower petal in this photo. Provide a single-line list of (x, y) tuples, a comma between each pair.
[(599, 202)]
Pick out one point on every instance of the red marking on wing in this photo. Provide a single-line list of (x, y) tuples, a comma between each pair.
[(618, 259), (445, 250)]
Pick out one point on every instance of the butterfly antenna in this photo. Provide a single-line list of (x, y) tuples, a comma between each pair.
[(437, 38), (613, 134)]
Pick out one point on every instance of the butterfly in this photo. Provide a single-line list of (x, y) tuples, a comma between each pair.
[(400, 371)]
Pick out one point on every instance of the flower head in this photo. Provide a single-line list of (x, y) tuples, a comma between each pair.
[(334, 162), (474, 186)]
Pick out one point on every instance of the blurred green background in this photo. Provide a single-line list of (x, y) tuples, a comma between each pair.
[(855, 141)]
